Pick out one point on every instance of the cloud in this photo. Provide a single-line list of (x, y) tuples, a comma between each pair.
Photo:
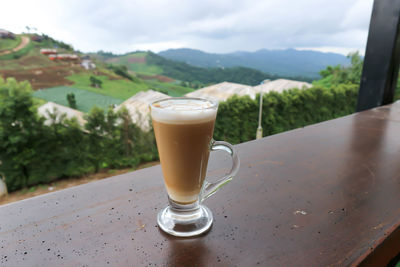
[(214, 26)]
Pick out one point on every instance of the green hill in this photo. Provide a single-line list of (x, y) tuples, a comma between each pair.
[(137, 62), (30, 57), (29, 64), (287, 62), (52, 80), (148, 63)]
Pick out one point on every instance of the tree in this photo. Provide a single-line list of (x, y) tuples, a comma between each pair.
[(96, 128), (128, 133), (32, 152), (71, 100), (333, 76), (19, 130), (95, 82), (355, 70), (122, 71)]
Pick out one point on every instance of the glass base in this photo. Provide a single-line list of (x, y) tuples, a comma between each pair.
[(185, 223)]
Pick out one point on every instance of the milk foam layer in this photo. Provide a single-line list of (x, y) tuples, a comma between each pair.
[(183, 111)]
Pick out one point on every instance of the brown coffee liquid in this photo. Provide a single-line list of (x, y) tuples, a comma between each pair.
[(184, 152)]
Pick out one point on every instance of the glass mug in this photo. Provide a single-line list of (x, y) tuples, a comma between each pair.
[(183, 129)]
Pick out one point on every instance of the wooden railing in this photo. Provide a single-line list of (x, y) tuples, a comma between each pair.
[(323, 195)]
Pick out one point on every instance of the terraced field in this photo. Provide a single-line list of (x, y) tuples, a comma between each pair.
[(45, 77), (170, 89), (85, 99), (136, 62), (117, 88)]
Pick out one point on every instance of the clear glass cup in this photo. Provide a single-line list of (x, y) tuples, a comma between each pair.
[(184, 128)]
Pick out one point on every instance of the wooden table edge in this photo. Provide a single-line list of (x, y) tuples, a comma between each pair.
[(383, 250)]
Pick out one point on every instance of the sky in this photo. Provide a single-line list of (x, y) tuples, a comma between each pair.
[(220, 26)]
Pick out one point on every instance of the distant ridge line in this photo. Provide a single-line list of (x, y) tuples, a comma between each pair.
[(286, 62)]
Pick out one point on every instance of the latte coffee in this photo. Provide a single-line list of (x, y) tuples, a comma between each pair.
[(183, 130)]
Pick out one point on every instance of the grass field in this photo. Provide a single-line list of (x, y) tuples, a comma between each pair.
[(85, 100), (122, 89), (169, 88), (143, 68), (137, 54), (19, 53), (7, 44), (139, 67)]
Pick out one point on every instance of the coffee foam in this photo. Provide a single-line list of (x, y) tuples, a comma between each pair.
[(183, 111)]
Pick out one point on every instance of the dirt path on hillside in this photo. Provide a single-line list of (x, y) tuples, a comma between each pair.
[(66, 183), (24, 42)]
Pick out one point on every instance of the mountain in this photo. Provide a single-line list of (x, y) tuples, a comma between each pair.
[(288, 62), (186, 72), (151, 64)]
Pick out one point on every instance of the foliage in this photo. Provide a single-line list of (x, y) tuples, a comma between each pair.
[(237, 118), (332, 76), (122, 71), (19, 132), (95, 82), (168, 88), (286, 62), (186, 72), (105, 54), (32, 152), (195, 76), (194, 85), (37, 102), (50, 42), (71, 100)]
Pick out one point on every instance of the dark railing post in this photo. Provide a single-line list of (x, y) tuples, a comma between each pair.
[(381, 62)]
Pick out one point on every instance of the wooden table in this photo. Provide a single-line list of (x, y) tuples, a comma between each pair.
[(326, 194)]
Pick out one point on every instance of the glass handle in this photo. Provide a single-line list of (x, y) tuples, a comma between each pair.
[(210, 188)]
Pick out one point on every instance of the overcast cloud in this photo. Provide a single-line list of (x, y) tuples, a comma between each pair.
[(212, 26)]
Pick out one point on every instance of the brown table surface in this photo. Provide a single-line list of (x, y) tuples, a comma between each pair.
[(326, 194)]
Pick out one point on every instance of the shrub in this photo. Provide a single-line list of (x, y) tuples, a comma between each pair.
[(122, 70), (237, 118), (95, 82), (32, 152), (71, 100)]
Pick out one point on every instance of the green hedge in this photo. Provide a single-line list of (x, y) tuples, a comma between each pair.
[(32, 152), (237, 118)]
